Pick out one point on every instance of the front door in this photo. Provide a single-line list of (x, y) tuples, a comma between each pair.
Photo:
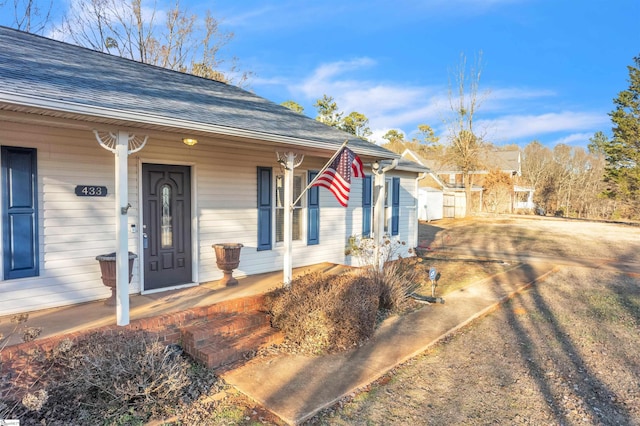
[(166, 192)]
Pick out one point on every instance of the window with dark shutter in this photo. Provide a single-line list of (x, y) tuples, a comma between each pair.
[(19, 212), (395, 206), (264, 208), (313, 212), (366, 205)]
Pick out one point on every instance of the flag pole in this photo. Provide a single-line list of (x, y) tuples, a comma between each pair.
[(326, 166)]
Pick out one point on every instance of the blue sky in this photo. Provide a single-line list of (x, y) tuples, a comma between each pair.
[(550, 68)]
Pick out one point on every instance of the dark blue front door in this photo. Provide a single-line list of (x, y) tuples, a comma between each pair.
[(166, 225)]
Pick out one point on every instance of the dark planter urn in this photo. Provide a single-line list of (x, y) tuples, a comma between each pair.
[(227, 259), (109, 273)]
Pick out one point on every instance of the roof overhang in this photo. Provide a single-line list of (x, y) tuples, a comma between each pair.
[(91, 116)]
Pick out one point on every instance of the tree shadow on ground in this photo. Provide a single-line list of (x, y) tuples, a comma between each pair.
[(546, 346)]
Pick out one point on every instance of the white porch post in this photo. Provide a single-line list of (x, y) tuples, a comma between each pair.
[(121, 144), (287, 270), (122, 246), (379, 208), (378, 215)]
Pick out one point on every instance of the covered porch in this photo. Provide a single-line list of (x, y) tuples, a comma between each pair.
[(148, 311)]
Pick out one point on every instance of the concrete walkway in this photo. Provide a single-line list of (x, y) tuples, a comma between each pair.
[(296, 387)]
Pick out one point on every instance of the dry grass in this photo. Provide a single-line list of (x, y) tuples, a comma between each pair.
[(564, 352)]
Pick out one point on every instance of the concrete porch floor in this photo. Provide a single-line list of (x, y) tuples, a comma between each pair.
[(93, 315)]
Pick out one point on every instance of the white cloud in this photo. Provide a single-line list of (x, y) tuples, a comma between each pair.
[(250, 18), (513, 127), (323, 79), (387, 105), (575, 139), (393, 105)]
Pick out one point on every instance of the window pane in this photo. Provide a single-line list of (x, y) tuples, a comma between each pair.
[(387, 219), (279, 191), (387, 192), (166, 229), (297, 224), (298, 186), (279, 225), (297, 190)]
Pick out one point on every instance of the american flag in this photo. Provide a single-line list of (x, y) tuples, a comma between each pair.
[(337, 177)]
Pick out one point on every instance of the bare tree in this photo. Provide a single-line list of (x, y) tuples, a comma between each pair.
[(32, 16), (536, 162), (498, 190), (465, 144), (178, 40)]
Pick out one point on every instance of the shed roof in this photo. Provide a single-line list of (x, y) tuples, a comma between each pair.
[(48, 77)]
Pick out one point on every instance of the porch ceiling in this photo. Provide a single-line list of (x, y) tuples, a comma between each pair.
[(159, 127)]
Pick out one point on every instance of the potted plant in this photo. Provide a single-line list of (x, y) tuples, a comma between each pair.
[(227, 259), (108, 269)]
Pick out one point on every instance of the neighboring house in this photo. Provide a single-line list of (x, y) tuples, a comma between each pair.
[(523, 198), (93, 161), (438, 198), (451, 179)]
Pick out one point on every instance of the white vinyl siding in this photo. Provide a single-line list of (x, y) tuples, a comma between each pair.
[(74, 230)]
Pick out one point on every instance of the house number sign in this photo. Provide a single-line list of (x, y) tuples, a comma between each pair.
[(91, 191)]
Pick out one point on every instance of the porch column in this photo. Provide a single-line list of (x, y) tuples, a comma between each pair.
[(287, 270), (379, 208), (121, 144), (378, 214), (122, 244)]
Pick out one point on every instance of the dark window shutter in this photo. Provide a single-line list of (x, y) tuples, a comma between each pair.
[(264, 208), (20, 212), (313, 212), (395, 206), (366, 205)]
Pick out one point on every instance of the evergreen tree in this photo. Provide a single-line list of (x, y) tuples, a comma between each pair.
[(357, 124), (293, 106), (328, 111), (623, 150)]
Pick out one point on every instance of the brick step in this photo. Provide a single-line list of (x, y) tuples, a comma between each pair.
[(227, 324), (228, 337), (225, 350)]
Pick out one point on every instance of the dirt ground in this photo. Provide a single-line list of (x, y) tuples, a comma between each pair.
[(564, 352)]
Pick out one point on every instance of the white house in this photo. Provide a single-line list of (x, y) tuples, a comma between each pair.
[(93, 162)]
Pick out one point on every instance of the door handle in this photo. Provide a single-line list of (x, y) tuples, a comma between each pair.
[(145, 240)]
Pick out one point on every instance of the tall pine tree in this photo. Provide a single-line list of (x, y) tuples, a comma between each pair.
[(623, 150)]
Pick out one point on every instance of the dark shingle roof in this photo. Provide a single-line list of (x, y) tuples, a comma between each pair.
[(45, 73)]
